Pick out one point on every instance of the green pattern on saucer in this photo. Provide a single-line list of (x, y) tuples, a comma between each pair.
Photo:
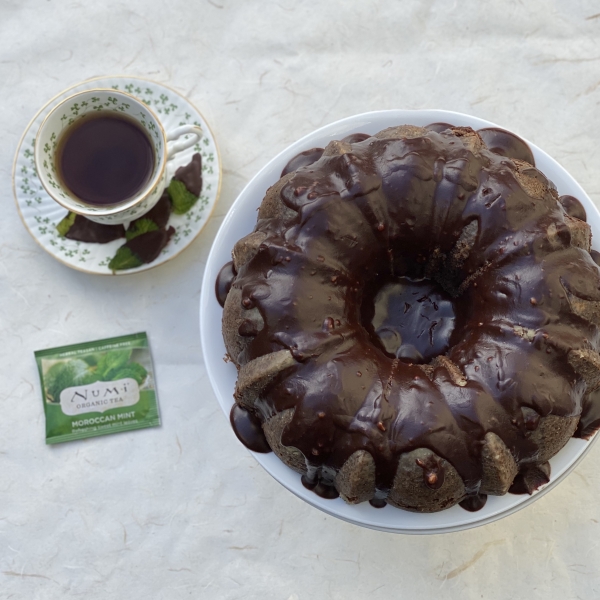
[(41, 214)]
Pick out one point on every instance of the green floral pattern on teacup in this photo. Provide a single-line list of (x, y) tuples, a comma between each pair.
[(41, 214)]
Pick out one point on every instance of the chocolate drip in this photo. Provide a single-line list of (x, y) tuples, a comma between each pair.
[(487, 236), (589, 422), (439, 127), (224, 280), (377, 503), (506, 144), (248, 429), (308, 157), (474, 503), (354, 138), (530, 479), (573, 207), (319, 487)]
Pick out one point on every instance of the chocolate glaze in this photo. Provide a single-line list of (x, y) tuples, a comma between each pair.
[(224, 280), (438, 127), (354, 138), (320, 486), (507, 144), (573, 207), (191, 175), (377, 503), (411, 320), (248, 429), (589, 422), (474, 503), (84, 230), (399, 207), (308, 157)]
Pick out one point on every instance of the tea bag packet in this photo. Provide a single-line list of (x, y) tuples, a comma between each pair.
[(100, 387)]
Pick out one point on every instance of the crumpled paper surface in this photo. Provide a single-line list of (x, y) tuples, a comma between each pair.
[(183, 511)]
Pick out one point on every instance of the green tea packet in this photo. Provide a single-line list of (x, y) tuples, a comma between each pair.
[(100, 387)]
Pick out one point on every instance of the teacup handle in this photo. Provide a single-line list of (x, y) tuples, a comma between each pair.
[(176, 147)]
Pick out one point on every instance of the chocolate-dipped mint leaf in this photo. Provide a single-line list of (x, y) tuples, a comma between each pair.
[(159, 213), (78, 228), (149, 245), (66, 224), (140, 226), (124, 259), (191, 175), (141, 250), (181, 197)]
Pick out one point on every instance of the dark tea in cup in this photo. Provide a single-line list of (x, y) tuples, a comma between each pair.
[(104, 158)]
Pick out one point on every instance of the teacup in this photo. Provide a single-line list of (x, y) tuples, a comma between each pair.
[(67, 113)]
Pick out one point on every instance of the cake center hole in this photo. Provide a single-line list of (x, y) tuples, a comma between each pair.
[(410, 319)]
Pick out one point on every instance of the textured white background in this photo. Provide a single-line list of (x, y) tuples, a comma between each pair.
[(183, 511)]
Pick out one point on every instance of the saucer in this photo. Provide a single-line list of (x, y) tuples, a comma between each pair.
[(41, 214), (223, 375)]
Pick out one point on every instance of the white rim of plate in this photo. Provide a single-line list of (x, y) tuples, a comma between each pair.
[(31, 201), (222, 376)]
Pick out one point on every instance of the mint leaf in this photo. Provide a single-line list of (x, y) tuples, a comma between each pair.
[(57, 379), (181, 198), (140, 226), (64, 226), (87, 378), (124, 259), (133, 370), (111, 362), (63, 375), (91, 359)]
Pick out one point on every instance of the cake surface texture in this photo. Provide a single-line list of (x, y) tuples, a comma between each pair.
[(415, 320)]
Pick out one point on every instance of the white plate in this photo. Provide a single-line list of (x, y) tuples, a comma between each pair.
[(41, 214), (241, 220)]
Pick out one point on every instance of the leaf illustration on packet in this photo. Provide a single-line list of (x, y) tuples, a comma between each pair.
[(96, 388), (111, 366)]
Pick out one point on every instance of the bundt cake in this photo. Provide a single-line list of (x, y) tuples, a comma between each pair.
[(415, 319)]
